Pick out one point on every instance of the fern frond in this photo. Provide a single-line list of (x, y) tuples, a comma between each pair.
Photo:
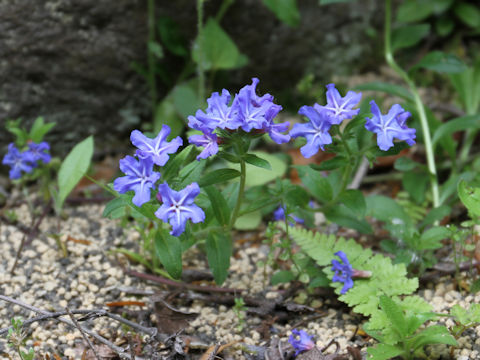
[(386, 279)]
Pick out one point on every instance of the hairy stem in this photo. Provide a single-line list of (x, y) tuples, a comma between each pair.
[(200, 69), (241, 191), (418, 104), (151, 57)]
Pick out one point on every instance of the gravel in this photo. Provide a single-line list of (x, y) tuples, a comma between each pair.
[(91, 276)]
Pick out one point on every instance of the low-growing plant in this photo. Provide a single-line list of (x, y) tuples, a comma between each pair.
[(16, 339), (30, 161), (404, 336)]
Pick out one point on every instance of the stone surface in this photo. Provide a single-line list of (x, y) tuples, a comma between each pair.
[(70, 60)]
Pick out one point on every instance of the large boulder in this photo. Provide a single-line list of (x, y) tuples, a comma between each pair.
[(70, 60)]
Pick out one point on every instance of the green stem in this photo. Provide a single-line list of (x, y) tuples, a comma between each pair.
[(418, 103), (151, 57), (200, 69), (241, 190)]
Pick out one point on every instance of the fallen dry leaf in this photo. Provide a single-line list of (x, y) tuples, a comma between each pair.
[(212, 351)]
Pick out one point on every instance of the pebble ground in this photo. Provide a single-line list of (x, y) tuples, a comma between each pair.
[(90, 277)]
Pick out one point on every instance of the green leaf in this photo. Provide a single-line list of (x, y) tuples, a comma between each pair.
[(156, 49), (73, 168), (281, 277), (475, 287), (169, 250), (470, 197), (452, 126), (395, 315), (434, 334), (354, 200), (436, 214), (171, 36), (468, 13), (431, 239), (409, 35), (172, 167), (250, 221), (219, 249), (39, 129), (115, 208), (257, 161), (185, 100), (285, 10), (444, 26), (330, 164), (215, 50), (133, 256), (414, 10), (385, 209), (441, 62), (386, 88), (405, 164), (218, 176), (296, 196), (259, 176), (166, 114), (416, 184), (384, 352), (219, 205), (315, 183), (343, 216)]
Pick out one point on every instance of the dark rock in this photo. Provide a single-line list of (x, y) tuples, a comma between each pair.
[(70, 60)]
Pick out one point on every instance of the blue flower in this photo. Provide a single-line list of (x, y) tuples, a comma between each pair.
[(279, 214), (18, 161), (390, 126), (252, 110), (218, 114), (209, 142), (39, 152), (139, 178), (178, 207), (338, 108), (315, 131), (304, 343), (276, 130), (158, 148), (343, 272)]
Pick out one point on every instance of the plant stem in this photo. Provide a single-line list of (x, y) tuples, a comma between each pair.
[(241, 191), (418, 103), (151, 57), (200, 70)]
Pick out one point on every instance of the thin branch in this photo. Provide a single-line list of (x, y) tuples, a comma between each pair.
[(85, 337), (119, 350), (162, 280)]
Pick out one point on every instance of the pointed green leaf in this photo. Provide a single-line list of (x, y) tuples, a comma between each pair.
[(219, 205), (219, 249), (169, 250), (285, 10), (395, 315), (258, 161), (73, 168), (218, 176), (384, 352), (215, 50)]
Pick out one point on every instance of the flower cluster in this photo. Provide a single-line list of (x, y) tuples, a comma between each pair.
[(390, 126), (343, 272), (140, 178), (248, 112), (322, 118), (25, 161), (301, 341)]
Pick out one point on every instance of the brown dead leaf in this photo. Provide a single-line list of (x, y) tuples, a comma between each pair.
[(169, 319), (125, 303), (57, 357), (212, 351), (78, 241)]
